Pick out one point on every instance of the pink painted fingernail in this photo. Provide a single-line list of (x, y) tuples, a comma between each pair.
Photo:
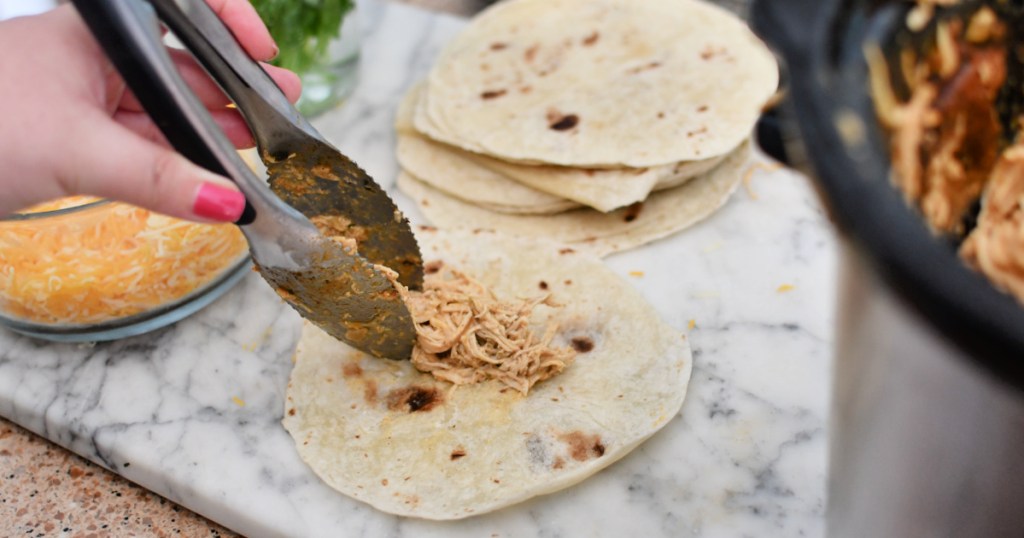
[(218, 203)]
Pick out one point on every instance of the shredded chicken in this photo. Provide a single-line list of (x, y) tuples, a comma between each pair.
[(945, 137), (996, 246), (466, 334)]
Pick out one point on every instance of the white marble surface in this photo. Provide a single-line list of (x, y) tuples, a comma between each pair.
[(745, 457)]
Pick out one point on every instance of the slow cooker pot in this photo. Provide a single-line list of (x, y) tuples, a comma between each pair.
[(927, 424)]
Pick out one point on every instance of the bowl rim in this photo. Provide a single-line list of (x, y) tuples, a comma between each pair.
[(22, 216)]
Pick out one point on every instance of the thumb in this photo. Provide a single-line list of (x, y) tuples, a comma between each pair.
[(114, 162)]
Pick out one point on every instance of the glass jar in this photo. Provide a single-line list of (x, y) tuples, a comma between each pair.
[(320, 41), (81, 269)]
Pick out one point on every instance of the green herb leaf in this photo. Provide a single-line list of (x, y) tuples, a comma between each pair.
[(302, 28)]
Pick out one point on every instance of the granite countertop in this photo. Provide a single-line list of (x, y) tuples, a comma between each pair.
[(760, 423)]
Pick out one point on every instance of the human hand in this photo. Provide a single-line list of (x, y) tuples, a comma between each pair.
[(69, 125)]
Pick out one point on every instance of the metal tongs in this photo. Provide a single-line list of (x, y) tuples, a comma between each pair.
[(339, 290)]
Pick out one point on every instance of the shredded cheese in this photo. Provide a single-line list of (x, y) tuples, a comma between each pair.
[(106, 262)]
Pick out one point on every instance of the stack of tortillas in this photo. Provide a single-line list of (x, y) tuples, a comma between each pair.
[(601, 123)]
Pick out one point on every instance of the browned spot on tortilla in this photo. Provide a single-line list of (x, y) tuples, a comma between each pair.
[(351, 369), (703, 129), (526, 89), (582, 344), (370, 392), (568, 282), (433, 267), (661, 115), (414, 398), (645, 67), (291, 412), (497, 45), (558, 463), (633, 212), (591, 39), (531, 53), (583, 447), (710, 52), (485, 67), (566, 251), (493, 94), (542, 285), (495, 480), (555, 400), (702, 108), (459, 452), (562, 122)]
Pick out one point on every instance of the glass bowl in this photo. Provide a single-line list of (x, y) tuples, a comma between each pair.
[(83, 270)]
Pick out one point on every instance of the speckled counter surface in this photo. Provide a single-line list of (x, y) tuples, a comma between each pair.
[(48, 491)]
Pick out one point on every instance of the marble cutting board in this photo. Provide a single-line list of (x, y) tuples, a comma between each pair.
[(193, 411)]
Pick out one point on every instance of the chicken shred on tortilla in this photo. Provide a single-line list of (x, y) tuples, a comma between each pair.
[(466, 334)]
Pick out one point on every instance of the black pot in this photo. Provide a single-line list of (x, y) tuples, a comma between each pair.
[(927, 426)]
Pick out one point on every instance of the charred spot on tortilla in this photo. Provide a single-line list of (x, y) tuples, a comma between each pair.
[(493, 94), (291, 412), (351, 369), (563, 123), (645, 67), (497, 45), (542, 285), (370, 392), (433, 267), (591, 39), (530, 53), (633, 212), (414, 398), (566, 250), (582, 344), (583, 447), (458, 453)]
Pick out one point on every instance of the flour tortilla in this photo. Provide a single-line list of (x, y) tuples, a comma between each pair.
[(664, 213), (442, 167), (518, 188), (480, 448), (599, 83)]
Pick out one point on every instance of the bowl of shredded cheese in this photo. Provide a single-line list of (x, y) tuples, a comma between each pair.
[(82, 269)]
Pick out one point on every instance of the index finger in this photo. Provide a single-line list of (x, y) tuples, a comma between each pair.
[(245, 23)]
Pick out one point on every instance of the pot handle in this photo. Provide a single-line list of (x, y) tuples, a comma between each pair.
[(786, 25)]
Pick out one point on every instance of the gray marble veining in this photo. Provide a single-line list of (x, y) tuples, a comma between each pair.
[(193, 411)]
